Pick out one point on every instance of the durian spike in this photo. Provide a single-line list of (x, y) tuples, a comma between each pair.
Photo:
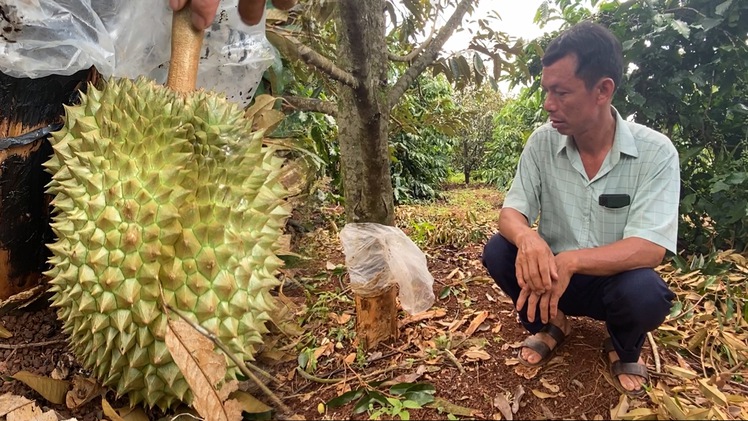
[(186, 43)]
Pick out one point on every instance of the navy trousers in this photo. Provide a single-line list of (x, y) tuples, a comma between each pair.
[(631, 303)]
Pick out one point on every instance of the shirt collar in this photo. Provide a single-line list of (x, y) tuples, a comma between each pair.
[(623, 140)]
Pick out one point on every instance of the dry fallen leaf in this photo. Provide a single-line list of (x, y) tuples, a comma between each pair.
[(519, 392), (526, 372), (250, 404), (548, 385), (476, 354), (496, 328), (22, 299), (10, 402), (502, 404), (202, 367), (18, 408), (403, 378), (711, 392), (446, 406), (51, 389), (681, 372), (109, 411), (672, 407), (479, 318), (542, 395), (5, 333), (425, 315), (547, 412), (83, 391), (340, 319), (618, 411)]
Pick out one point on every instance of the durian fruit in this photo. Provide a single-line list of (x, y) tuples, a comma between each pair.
[(160, 198)]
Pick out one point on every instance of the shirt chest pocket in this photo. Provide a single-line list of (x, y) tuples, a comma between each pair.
[(609, 223)]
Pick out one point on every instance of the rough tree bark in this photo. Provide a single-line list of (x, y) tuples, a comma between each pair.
[(363, 114), (29, 110)]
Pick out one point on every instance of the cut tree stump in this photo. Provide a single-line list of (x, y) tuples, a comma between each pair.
[(29, 109), (376, 318)]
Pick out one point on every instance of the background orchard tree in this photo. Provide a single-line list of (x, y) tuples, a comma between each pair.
[(356, 60), (479, 105)]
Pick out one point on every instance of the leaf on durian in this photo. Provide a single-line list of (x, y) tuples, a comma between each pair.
[(268, 120), (122, 414), (202, 367), (52, 390), (262, 102)]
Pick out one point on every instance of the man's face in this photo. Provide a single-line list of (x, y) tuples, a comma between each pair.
[(571, 107)]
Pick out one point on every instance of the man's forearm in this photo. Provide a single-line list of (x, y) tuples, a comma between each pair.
[(513, 224), (623, 255)]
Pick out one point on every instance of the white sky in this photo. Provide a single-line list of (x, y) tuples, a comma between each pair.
[(516, 20)]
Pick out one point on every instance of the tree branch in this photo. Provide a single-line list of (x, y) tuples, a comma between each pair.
[(317, 60), (311, 104), (413, 54), (429, 55)]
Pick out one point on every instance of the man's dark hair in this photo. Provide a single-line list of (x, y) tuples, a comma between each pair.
[(598, 52)]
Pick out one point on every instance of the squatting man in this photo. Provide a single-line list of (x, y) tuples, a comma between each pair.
[(604, 192)]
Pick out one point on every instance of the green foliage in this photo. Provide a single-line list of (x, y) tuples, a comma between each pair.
[(421, 140), (479, 106), (449, 229), (513, 125), (462, 217), (687, 76), (396, 403)]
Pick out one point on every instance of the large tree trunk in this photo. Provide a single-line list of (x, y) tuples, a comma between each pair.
[(29, 109), (363, 116)]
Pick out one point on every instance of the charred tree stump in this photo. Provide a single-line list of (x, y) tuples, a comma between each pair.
[(376, 317), (29, 110)]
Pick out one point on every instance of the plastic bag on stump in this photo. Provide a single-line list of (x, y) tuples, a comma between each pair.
[(378, 256)]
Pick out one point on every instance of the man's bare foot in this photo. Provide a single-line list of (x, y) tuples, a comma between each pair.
[(630, 382), (531, 356)]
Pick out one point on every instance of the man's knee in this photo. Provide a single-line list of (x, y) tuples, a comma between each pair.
[(498, 253), (639, 297)]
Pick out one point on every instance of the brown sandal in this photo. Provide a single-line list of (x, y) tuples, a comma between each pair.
[(541, 347), (617, 368)]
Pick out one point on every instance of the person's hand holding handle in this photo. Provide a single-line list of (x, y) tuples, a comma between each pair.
[(250, 11)]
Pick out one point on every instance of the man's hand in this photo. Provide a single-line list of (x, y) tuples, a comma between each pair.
[(250, 11), (564, 271), (547, 301), (535, 265)]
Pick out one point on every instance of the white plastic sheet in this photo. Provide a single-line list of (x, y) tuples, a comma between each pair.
[(127, 38), (378, 256)]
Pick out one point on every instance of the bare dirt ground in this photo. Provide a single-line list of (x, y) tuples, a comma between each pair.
[(464, 346)]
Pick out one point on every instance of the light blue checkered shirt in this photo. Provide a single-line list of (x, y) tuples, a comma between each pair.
[(551, 181)]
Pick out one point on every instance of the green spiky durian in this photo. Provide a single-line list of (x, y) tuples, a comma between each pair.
[(159, 194)]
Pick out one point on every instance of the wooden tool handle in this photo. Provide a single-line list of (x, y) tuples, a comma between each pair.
[(186, 43)]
